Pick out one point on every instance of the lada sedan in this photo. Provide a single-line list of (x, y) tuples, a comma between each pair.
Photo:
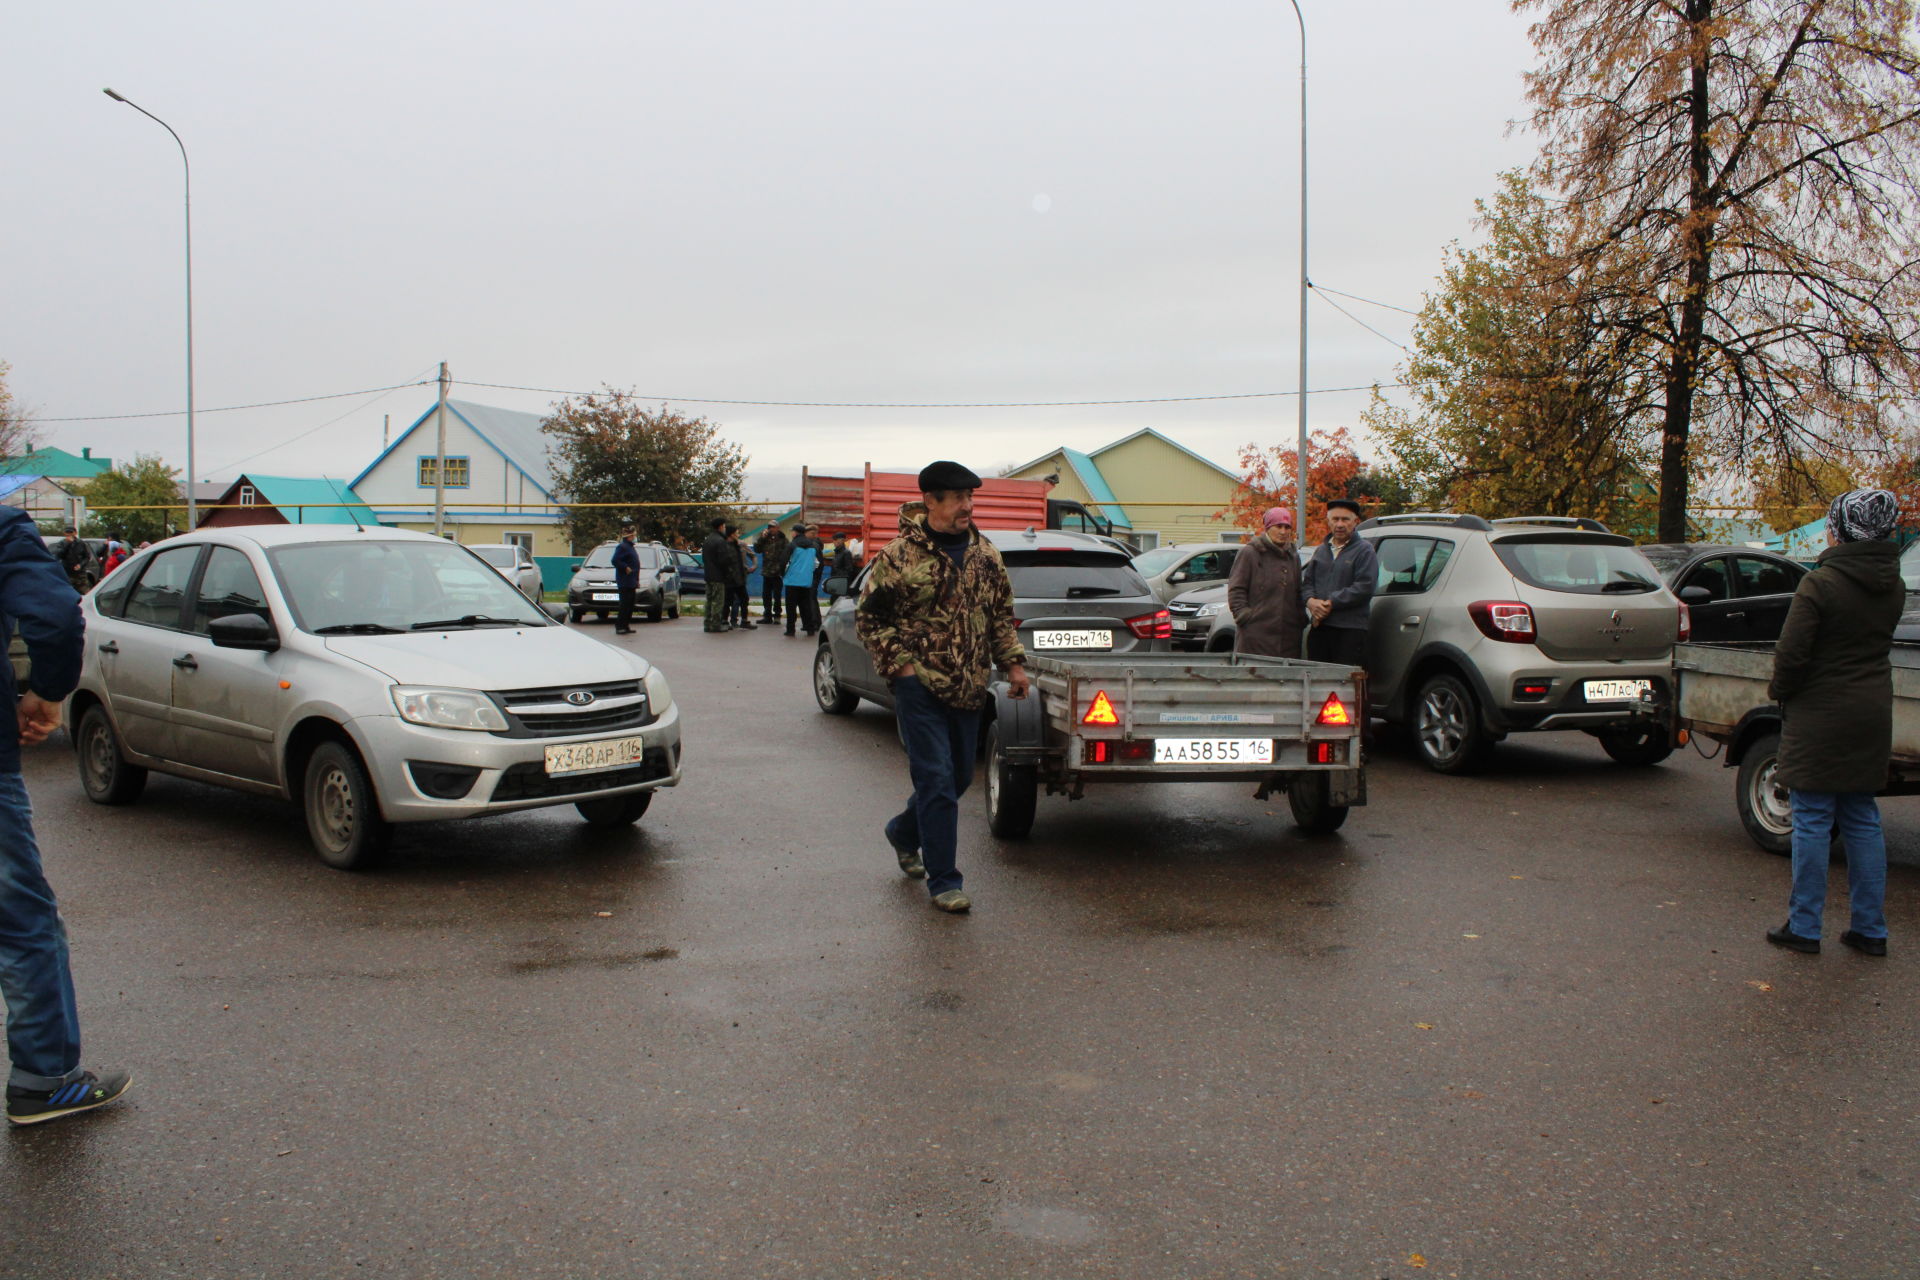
[(372, 676)]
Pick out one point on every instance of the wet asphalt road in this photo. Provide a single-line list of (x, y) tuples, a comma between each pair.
[(1516, 1026)]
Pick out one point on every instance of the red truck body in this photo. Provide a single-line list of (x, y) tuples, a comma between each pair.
[(868, 505)]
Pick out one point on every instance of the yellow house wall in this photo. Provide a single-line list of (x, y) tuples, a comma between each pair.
[(1149, 470)]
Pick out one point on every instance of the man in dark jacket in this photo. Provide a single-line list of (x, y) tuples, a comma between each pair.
[(717, 558), (76, 560), (1833, 680), (1263, 591), (43, 1024), (737, 577), (773, 549), (626, 579), (1338, 582), (936, 613)]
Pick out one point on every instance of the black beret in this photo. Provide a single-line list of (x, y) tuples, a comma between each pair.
[(1343, 504), (938, 476)]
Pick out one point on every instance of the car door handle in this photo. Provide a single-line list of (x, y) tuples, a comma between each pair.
[(1736, 613), (1412, 620), (109, 647), (186, 663)]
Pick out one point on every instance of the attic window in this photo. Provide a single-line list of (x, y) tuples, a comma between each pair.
[(457, 474), (249, 497)]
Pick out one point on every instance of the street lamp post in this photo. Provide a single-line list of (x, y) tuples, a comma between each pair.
[(1300, 455), (193, 508)]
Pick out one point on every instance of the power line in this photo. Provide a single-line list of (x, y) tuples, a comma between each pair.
[(980, 404), (1369, 301), (234, 408), (1362, 323), (323, 426)]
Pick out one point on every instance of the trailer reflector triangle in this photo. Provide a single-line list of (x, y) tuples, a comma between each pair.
[(1101, 712)]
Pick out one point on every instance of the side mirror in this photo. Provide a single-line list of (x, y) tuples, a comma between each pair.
[(558, 612), (1178, 575), (834, 588), (1696, 595), (577, 564), (243, 631)]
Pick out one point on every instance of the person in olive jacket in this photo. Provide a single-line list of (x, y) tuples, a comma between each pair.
[(1263, 591), (1833, 679)]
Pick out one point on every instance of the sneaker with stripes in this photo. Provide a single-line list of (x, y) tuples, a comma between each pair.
[(31, 1106)]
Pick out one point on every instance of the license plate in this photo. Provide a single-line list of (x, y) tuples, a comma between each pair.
[(1617, 690), (1073, 639), (606, 595), (1213, 750), (1181, 624), (586, 757)]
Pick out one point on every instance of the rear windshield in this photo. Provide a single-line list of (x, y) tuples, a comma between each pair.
[(1072, 575), (498, 557), (1578, 564), (1668, 562)]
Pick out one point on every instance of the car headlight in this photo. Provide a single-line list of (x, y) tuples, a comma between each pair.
[(1208, 611), (659, 692), (448, 708)]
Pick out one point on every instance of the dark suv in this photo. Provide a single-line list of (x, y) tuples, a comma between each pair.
[(1072, 595)]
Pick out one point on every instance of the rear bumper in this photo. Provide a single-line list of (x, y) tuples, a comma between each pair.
[(1566, 705)]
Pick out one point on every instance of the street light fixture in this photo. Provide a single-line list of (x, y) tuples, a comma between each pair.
[(193, 508)]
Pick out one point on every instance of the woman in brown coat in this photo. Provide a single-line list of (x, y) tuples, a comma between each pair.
[(1834, 682), (1263, 591)]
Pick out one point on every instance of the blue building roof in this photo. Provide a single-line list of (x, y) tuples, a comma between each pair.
[(288, 494), (1097, 488)]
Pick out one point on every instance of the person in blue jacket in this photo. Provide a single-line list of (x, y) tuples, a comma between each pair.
[(43, 1025), (803, 602), (626, 580)]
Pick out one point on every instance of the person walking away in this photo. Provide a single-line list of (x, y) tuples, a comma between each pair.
[(716, 556), (737, 581), (74, 557), (1833, 679), (774, 549), (1338, 582), (43, 1023), (803, 560), (626, 579), (1263, 591), (936, 613)]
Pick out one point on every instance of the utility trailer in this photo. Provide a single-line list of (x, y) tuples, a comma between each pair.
[(1720, 693), (1286, 724)]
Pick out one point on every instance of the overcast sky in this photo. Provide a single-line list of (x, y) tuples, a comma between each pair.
[(851, 200)]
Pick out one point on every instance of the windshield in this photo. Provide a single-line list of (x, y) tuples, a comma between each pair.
[(1580, 564), (601, 557), (1668, 561), (498, 557), (376, 585), (1148, 563), (1071, 575)]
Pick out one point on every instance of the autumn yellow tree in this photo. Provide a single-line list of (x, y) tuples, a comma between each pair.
[(1740, 204)]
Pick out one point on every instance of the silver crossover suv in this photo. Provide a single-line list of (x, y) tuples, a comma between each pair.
[(1483, 628), (371, 675), (1072, 595)]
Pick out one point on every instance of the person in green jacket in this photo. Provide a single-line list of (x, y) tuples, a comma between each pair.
[(1833, 679)]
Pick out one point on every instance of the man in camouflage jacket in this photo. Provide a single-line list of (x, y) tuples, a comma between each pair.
[(936, 613)]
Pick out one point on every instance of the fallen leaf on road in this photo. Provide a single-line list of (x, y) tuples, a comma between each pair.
[(1424, 1026), (1758, 985), (1469, 935), (1417, 1260), (604, 915)]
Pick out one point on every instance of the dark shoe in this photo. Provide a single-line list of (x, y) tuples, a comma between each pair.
[(910, 865), (747, 626), (953, 901), (1863, 944), (789, 633), (623, 631), (1785, 937), (31, 1106)]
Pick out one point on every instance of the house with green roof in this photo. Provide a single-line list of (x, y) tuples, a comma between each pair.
[(57, 464), (1156, 491), (258, 499)]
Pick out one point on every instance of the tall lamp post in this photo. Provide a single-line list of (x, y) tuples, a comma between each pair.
[(1300, 455), (193, 508)]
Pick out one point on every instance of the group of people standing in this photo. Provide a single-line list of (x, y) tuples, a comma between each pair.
[(1275, 598), (791, 570)]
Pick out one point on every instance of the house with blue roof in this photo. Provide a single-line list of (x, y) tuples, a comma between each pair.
[(258, 499), (499, 485), (57, 464), (1127, 480)]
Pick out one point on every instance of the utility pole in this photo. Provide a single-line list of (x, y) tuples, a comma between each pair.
[(440, 459)]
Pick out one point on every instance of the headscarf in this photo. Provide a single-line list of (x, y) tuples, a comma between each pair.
[(1274, 516), (1863, 515)]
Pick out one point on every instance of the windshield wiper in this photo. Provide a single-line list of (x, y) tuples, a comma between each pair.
[(470, 620), (358, 629)]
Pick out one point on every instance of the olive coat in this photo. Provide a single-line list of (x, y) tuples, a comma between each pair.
[(1263, 591), (1832, 675)]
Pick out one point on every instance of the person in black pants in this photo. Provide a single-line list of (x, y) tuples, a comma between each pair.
[(803, 564), (626, 580), (737, 575), (774, 549)]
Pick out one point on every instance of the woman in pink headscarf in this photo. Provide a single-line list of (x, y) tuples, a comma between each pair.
[(1263, 591)]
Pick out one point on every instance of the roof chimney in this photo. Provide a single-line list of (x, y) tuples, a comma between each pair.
[(86, 451)]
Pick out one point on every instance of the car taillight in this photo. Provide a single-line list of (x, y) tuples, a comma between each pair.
[(1507, 620), (1686, 624), (1157, 625)]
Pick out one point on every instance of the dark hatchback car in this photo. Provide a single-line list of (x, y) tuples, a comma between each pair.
[(1732, 593), (1072, 595)]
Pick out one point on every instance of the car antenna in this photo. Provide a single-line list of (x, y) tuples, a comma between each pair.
[(357, 526)]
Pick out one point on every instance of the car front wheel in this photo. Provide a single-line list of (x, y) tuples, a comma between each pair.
[(612, 812), (343, 813), (834, 698)]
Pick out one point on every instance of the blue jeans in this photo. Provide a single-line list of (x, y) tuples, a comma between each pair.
[(1858, 816), (43, 1026), (940, 743)]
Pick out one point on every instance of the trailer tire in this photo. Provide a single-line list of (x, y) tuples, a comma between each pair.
[(1313, 812), (1765, 810), (1012, 790)]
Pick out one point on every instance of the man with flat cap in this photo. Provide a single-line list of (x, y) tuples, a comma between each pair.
[(936, 613), (1338, 582)]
